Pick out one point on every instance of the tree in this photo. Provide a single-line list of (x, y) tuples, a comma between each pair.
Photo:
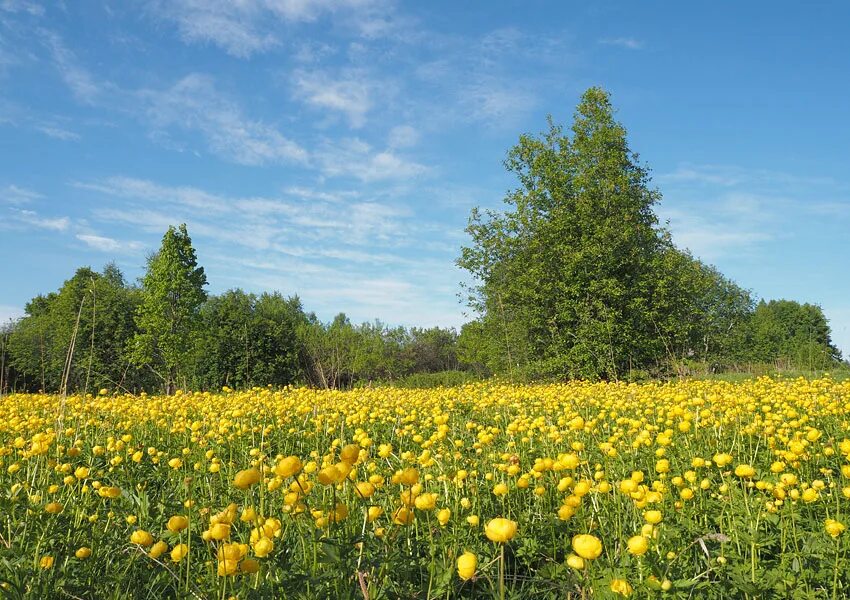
[(169, 315), (565, 276), (99, 307), (788, 334)]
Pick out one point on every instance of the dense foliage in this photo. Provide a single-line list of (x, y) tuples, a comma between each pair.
[(679, 490), (578, 279)]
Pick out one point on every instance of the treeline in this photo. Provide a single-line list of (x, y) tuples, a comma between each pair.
[(577, 278), (98, 331)]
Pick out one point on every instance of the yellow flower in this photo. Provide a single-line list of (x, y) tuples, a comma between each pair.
[(249, 565), (638, 545), (587, 546), (54, 508), (46, 562), (364, 489), (403, 516), (349, 453), (81, 472), (220, 531), (179, 552), (263, 547), (246, 478), (287, 467), (653, 517), (141, 537), (810, 495), (576, 562), (621, 587), (83, 552), (158, 549), (834, 528), (745, 471), (500, 530), (177, 523), (443, 516), (473, 520), (721, 460), (466, 565)]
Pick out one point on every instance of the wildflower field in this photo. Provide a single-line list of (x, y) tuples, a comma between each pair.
[(668, 490)]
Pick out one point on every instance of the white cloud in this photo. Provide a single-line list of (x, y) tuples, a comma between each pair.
[(13, 194), (623, 42), (22, 6), (141, 189), (107, 244), (403, 136), (194, 104), (33, 219), (733, 176), (356, 158), (246, 27), (78, 79), (347, 93), (9, 313), (58, 133)]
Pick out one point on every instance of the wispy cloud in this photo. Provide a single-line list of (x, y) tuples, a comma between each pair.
[(12, 194), (33, 219), (77, 78), (732, 176), (249, 27), (58, 133), (22, 6), (152, 193), (194, 103), (353, 157), (623, 42), (347, 93), (9, 313), (107, 244)]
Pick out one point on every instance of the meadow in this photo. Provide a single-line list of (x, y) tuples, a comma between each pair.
[(707, 489)]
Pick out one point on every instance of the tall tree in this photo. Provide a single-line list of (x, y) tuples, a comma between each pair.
[(169, 315), (565, 275)]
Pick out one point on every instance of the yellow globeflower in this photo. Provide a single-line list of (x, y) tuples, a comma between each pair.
[(443, 516), (246, 478), (220, 531), (834, 528), (500, 530), (177, 523), (248, 566), (403, 516), (810, 495), (263, 547), (364, 489), (54, 508), (179, 552), (46, 562), (638, 545), (330, 475), (587, 546), (289, 466), (350, 453), (653, 517), (158, 549), (81, 472), (576, 562), (745, 471), (83, 552), (141, 537), (721, 460), (621, 587), (466, 565)]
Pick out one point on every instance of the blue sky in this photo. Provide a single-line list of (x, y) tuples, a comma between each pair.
[(333, 149)]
